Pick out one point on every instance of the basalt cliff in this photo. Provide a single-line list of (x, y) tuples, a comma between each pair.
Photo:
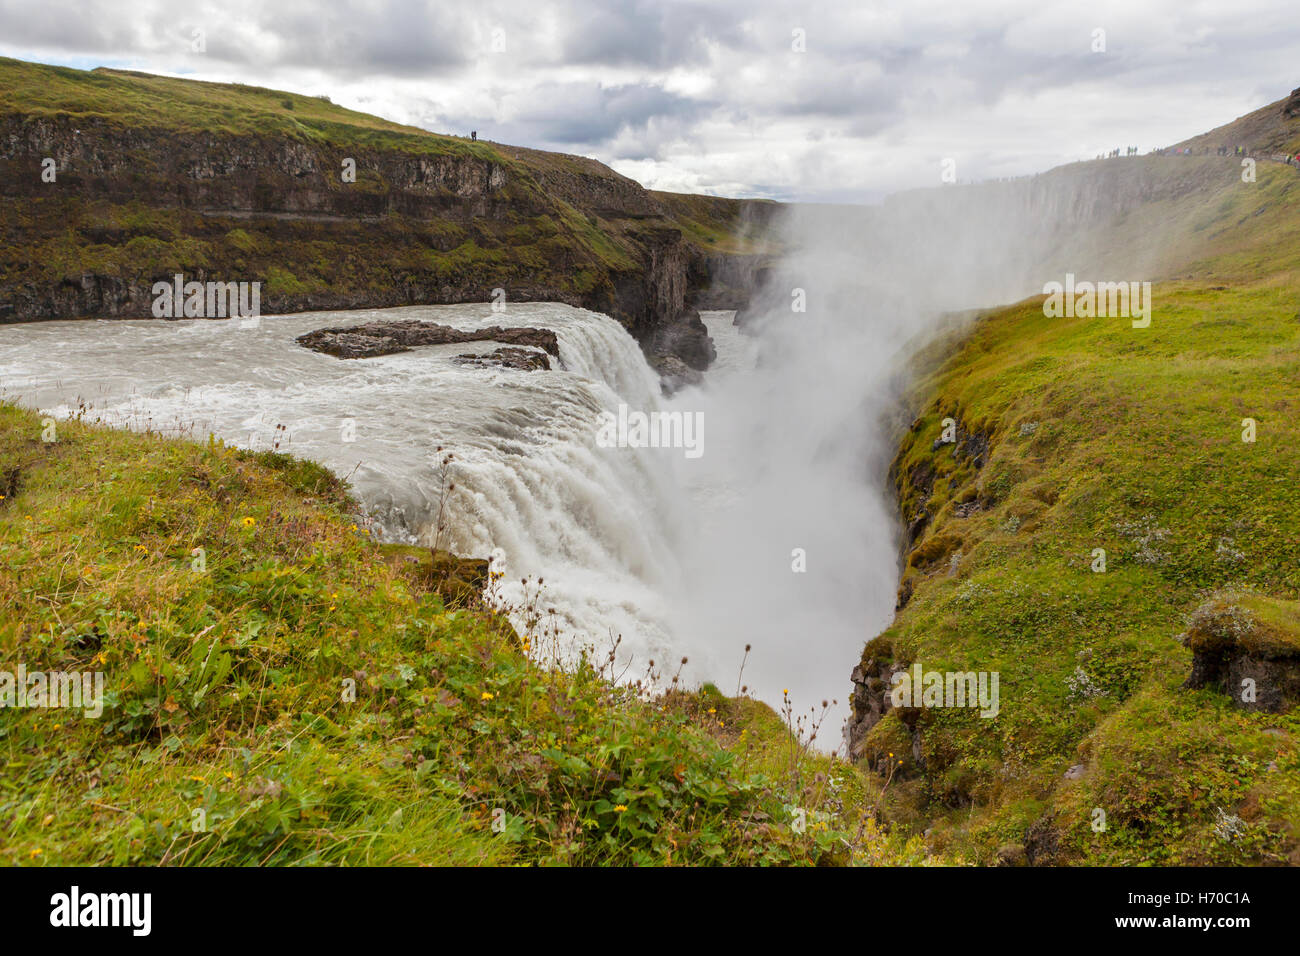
[(111, 181)]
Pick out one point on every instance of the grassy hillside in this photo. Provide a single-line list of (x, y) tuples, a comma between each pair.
[(1083, 434), (1271, 129), (131, 99), (228, 735)]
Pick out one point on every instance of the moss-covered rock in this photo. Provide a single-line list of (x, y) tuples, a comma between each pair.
[(1247, 645)]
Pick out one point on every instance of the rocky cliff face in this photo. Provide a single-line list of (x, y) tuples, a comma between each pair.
[(244, 174), (129, 201)]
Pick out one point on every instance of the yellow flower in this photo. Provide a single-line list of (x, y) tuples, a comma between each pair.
[(248, 522), (34, 854), (713, 710), (786, 691), (485, 696), (620, 808)]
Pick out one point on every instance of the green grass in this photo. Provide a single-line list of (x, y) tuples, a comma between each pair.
[(142, 100), (229, 734), (718, 225), (1130, 440)]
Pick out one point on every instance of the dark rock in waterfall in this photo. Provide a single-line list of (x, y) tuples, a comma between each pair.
[(676, 374), (526, 360), (385, 338)]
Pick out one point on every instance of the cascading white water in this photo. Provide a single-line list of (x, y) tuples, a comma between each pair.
[(794, 534), (679, 556), (532, 485)]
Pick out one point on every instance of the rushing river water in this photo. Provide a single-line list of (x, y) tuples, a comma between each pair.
[(630, 541)]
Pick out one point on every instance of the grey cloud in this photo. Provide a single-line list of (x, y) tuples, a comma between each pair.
[(583, 115), (648, 33), (633, 80)]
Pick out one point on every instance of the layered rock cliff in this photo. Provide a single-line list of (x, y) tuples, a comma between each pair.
[(111, 181)]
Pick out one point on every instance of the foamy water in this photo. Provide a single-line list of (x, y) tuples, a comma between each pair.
[(600, 525)]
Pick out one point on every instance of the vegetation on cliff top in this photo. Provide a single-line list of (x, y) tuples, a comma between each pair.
[(228, 735), (1083, 434), (145, 101)]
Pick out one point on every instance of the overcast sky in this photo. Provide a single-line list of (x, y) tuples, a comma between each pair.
[(842, 101)]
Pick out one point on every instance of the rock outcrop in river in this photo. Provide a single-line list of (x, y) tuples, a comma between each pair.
[(386, 338)]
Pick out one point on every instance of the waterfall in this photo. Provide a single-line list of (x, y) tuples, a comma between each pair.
[(781, 535), (601, 526)]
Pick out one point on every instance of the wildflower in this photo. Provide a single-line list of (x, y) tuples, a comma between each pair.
[(713, 710), (620, 809), (485, 696), (248, 522)]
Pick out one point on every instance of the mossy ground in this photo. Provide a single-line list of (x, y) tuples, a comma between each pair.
[(1105, 436), (228, 735)]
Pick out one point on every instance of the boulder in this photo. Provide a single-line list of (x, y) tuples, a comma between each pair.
[(674, 374), (1247, 646), (526, 360)]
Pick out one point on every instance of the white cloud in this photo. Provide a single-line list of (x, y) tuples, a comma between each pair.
[(708, 95)]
